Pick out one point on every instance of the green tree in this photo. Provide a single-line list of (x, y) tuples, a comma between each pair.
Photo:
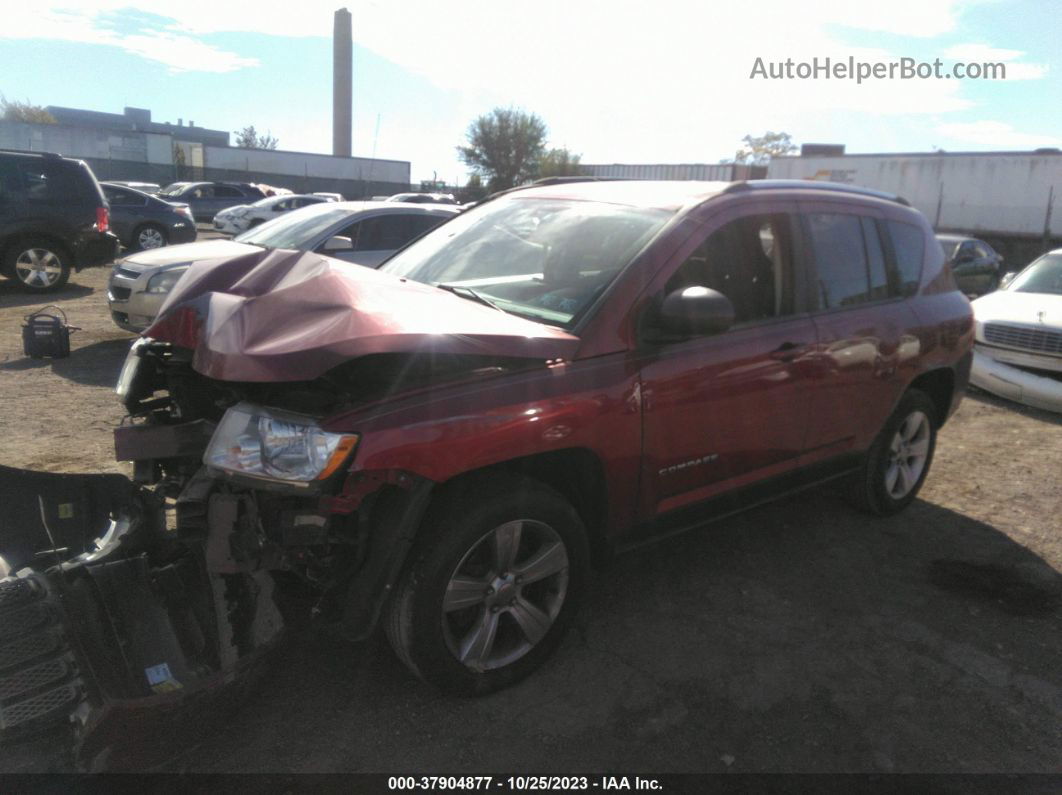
[(474, 190), (759, 149), (248, 138), (560, 163), (504, 146), (13, 110)]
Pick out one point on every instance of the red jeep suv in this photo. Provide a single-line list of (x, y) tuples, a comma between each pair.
[(450, 441)]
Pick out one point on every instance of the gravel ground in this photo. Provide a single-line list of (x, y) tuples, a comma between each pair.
[(800, 637)]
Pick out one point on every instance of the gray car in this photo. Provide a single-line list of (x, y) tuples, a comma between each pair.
[(361, 233)]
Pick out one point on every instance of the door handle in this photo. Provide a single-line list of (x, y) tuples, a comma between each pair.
[(788, 351)]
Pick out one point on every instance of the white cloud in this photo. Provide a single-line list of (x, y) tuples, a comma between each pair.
[(996, 134), (983, 53), (180, 52)]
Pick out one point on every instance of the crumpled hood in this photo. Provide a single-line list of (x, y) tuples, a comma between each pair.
[(284, 315), (1032, 309)]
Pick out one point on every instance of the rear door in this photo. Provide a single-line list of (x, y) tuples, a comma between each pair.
[(730, 409), (862, 323)]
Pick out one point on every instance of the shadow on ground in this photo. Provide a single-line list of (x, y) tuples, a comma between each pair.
[(801, 637), (12, 295), (97, 364)]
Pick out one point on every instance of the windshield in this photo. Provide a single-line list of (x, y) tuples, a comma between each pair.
[(1043, 276), (297, 229), (546, 259)]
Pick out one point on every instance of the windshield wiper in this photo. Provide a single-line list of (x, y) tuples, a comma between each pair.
[(467, 292)]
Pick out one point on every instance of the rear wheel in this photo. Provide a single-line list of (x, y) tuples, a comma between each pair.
[(149, 236), (492, 586), (39, 266), (897, 463)]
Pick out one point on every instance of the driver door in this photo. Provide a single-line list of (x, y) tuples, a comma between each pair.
[(730, 409)]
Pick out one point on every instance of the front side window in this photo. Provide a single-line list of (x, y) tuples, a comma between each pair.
[(545, 259), (749, 260)]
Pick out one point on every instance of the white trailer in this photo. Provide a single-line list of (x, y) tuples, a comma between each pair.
[(985, 194)]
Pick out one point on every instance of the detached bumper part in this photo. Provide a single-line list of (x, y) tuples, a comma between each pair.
[(1016, 384), (40, 682)]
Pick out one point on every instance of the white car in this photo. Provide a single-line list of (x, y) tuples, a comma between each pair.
[(234, 220), (1018, 353)]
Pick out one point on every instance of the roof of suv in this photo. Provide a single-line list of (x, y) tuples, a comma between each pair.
[(673, 195)]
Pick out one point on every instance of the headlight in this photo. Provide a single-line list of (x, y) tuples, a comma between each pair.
[(163, 282), (269, 444)]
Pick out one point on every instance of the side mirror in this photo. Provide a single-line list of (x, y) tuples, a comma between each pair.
[(695, 311), (1007, 279), (338, 243)]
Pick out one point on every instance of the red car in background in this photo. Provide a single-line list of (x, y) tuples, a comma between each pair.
[(448, 443)]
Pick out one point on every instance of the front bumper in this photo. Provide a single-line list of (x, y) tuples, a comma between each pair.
[(111, 618), (230, 225), (132, 307), (1010, 381)]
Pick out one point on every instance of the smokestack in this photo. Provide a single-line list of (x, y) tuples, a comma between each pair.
[(342, 88)]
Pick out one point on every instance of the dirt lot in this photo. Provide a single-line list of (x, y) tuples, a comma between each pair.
[(800, 637)]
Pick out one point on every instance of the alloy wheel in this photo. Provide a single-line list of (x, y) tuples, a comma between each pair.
[(505, 594), (150, 237), (907, 455), (38, 267)]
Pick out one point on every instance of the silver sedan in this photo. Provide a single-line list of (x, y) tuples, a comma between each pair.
[(363, 233)]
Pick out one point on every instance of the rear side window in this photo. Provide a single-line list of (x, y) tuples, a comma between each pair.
[(227, 192), (908, 248), (123, 198), (843, 269)]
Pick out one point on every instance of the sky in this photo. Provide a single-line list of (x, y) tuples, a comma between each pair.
[(615, 81)]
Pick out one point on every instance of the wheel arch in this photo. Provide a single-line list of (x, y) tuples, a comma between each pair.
[(939, 386), (576, 473)]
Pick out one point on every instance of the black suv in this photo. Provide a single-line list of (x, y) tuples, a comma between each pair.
[(209, 198), (53, 218)]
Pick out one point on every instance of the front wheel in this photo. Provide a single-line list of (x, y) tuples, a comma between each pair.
[(897, 463), (492, 586)]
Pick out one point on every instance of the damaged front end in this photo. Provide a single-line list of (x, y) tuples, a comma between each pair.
[(105, 612), (246, 514)]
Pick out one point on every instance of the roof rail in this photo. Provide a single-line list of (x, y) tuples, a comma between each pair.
[(811, 184), (30, 152)]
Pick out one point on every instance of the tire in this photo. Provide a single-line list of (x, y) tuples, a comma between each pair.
[(39, 266), (149, 236), (896, 465), (465, 616), (254, 222)]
